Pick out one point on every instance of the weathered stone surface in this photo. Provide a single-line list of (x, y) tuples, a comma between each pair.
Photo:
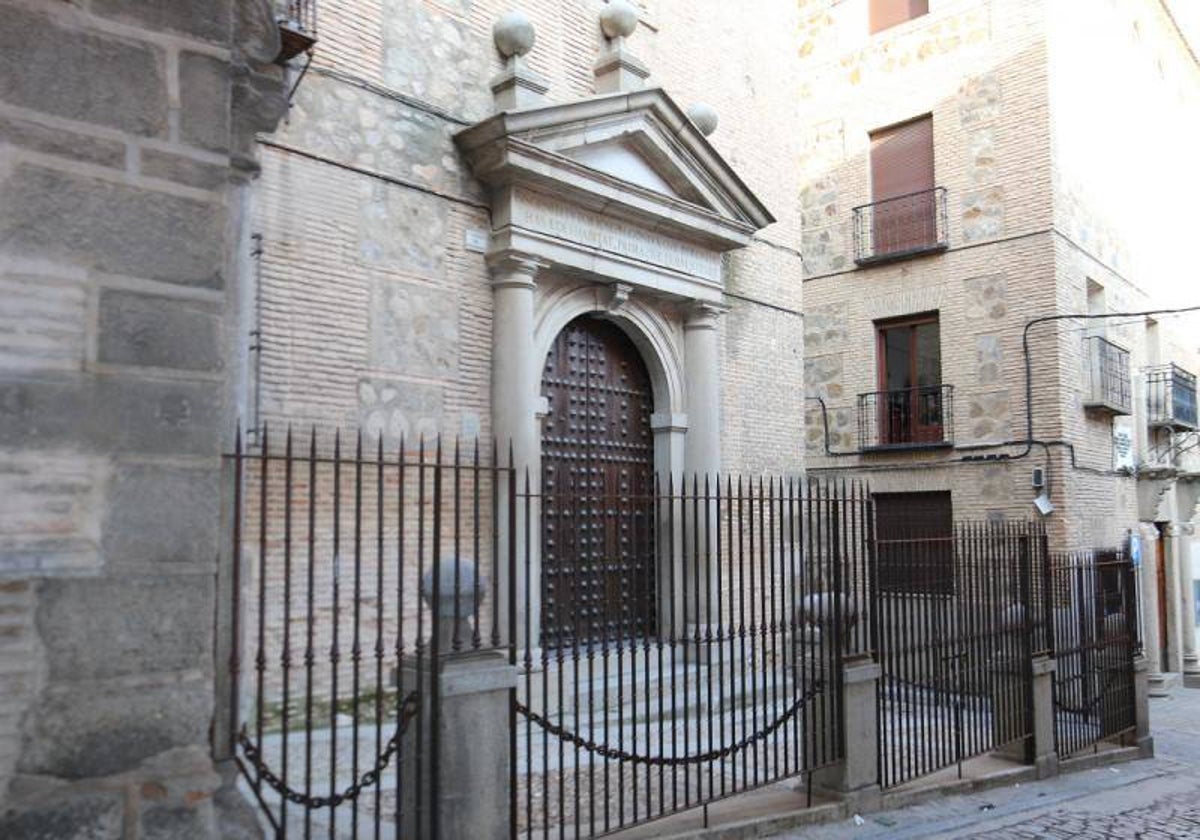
[(258, 102), (414, 329), (256, 33), (84, 730), (112, 227), (161, 514), (988, 417), (399, 408), (449, 53), (402, 229), (824, 250), (979, 99), (989, 359), (823, 376), (56, 141), (110, 414), (358, 127), (42, 322), (983, 214), (179, 822), (210, 20), (824, 327), (183, 170), (95, 629), (204, 92), (819, 202), (981, 160), (82, 816), (995, 484), (156, 331), (986, 297), (51, 504), (108, 81)]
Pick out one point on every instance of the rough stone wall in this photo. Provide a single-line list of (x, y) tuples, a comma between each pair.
[(373, 310), (125, 129)]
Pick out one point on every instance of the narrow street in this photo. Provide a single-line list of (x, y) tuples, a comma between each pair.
[(1157, 798)]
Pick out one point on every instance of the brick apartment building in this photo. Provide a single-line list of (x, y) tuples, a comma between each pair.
[(967, 169)]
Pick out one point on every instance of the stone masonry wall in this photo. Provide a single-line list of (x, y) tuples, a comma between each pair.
[(374, 310), (125, 131)]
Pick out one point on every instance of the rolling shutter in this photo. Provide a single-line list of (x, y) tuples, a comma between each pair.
[(902, 159)]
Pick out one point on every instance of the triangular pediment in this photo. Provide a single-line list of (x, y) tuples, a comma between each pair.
[(636, 150)]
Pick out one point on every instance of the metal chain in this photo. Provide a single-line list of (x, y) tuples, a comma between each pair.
[(1090, 706), (408, 711), (605, 751)]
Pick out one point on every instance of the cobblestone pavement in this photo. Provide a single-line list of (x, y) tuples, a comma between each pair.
[(1156, 799)]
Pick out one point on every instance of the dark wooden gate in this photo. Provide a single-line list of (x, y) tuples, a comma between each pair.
[(598, 576)]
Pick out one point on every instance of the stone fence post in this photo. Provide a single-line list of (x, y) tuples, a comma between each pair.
[(1141, 737), (455, 756), (856, 776), (1044, 753)]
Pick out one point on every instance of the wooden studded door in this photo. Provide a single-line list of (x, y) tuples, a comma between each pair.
[(598, 570)]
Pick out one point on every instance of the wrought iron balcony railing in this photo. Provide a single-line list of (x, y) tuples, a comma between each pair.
[(900, 227), (921, 417), (1170, 398), (297, 27), (1108, 384)]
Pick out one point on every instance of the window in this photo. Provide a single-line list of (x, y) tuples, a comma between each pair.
[(902, 188), (915, 542), (910, 381), (888, 13)]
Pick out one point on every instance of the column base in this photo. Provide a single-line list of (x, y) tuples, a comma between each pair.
[(1162, 684)]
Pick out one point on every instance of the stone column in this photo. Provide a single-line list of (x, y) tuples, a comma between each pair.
[(702, 444), (514, 424), (1148, 587), (1191, 658), (1173, 559)]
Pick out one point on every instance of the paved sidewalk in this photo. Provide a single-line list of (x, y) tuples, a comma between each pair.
[(1156, 798)]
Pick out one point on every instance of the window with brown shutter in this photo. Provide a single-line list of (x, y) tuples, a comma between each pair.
[(902, 188), (888, 13), (915, 542)]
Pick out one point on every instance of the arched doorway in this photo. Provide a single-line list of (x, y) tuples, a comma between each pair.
[(598, 569)]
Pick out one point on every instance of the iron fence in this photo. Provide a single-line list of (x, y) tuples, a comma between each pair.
[(297, 27), (906, 418), (1095, 621), (728, 682), (1108, 383), (900, 227), (340, 549), (956, 644), (1170, 398)]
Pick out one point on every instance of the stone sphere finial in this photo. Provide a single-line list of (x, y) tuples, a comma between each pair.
[(619, 19), (513, 33), (704, 116)]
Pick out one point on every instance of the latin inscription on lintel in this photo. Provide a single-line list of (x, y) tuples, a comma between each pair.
[(575, 224)]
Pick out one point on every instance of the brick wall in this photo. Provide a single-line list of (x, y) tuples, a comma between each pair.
[(1024, 241), (374, 312)]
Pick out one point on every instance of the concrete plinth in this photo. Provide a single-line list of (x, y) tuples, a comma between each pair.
[(1042, 749), (856, 776), (462, 751), (1141, 737)]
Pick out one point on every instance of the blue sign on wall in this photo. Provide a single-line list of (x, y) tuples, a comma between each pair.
[(1135, 550)]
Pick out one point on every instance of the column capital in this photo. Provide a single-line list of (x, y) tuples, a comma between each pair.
[(703, 314), (1179, 529), (514, 268)]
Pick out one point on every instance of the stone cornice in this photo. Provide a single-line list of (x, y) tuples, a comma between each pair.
[(474, 141)]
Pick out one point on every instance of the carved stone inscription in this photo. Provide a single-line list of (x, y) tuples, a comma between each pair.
[(583, 227)]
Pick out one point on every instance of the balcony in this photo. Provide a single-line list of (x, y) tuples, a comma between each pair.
[(1108, 385), (297, 28), (912, 418), (1170, 398), (901, 227)]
